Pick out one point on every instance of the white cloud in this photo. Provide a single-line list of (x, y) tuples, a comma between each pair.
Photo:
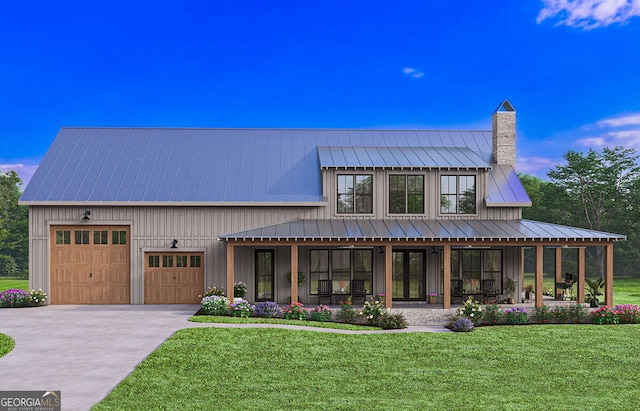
[(25, 171), (626, 120), (623, 130), (534, 165), (412, 72), (589, 14)]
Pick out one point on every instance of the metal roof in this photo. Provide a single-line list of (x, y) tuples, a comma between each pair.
[(208, 166), (400, 157), (423, 230), (505, 189)]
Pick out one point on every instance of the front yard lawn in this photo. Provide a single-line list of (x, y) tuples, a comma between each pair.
[(9, 283), (569, 367), (262, 320)]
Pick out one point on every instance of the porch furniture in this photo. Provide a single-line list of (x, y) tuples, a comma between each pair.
[(566, 285), (456, 291), (358, 291), (324, 291), (489, 291)]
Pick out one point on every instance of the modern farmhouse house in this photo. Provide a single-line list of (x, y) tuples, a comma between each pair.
[(155, 215)]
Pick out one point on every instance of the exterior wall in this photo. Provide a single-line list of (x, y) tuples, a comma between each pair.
[(432, 196)]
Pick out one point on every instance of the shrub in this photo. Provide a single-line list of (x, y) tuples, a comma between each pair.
[(212, 291), (542, 315), (215, 305), (373, 312), (577, 313), (628, 313), (268, 309), (37, 297), (605, 315), (560, 314), (463, 324), (470, 309), (241, 308), (239, 289), (492, 314), (347, 312), (320, 313), (14, 297), (516, 315), (295, 311), (392, 321)]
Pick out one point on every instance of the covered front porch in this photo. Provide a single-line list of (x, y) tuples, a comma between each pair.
[(444, 250)]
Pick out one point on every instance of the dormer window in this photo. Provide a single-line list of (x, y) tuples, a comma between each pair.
[(457, 194), (406, 194), (355, 193)]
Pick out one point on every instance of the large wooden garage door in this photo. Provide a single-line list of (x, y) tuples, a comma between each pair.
[(90, 265), (173, 278)]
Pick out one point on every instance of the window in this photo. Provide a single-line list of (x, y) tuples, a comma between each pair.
[(118, 237), (264, 275), (406, 194), (181, 261), (340, 266), (355, 193), (474, 265), (100, 237), (154, 261), (63, 237), (167, 261), (82, 237), (458, 194), (195, 261)]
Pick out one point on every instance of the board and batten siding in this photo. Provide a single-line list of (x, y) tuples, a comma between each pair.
[(154, 229)]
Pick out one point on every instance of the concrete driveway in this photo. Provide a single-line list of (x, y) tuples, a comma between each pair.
[(83, 351)]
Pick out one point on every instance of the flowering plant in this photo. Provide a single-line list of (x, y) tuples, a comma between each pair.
[(295, 311), (241, 308), (215, 305), (470, 309), (628, 313), (605, 315), (37, 297), (492, 314), (380, 297), (516, 315), (268, 309), (373, 312), (212, 291), (320, 313), (347, 312), (433, 295), (463, 324), (239, 289), (543, 315), (14, 297)]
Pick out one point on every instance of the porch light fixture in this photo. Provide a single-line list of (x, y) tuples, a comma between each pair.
[(381, 249), (87, 215), (174, 244), (433, 250)]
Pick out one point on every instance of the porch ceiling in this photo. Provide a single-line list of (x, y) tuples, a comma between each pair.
[(422, 230)]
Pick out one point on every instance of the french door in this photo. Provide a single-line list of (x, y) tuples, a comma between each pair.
[(409, 275), (264, 275)]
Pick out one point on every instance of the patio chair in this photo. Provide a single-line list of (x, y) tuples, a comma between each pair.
[(358, 291), (324, 291), (456, 291), (489, 291)]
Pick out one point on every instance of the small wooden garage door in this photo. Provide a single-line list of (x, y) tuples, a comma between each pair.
[(90, 265), (173, 278)]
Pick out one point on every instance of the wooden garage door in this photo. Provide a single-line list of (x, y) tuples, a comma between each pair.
[(173, 278), (90, 265)]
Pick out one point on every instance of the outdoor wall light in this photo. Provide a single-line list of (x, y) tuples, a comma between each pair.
[(87, 215), (433, 250), (174, 244), (381, 249)]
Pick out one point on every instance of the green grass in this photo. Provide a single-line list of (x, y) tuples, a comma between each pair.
[(258, 320), (8, 283), (569, 367), (625, 290), (6, 344)]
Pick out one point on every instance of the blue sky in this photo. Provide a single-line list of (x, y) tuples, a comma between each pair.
[(571, 68)]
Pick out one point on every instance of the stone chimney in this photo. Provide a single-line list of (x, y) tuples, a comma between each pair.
[(503, 134)]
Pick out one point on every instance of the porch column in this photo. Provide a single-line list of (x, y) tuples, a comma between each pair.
[(522, 268), (230, 270), (558, 260), (294, 273), (581, 254), (388, 275), (608, 275), (446, 277), (539, 260)]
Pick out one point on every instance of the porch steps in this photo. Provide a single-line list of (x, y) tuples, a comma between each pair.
[(425, 316)]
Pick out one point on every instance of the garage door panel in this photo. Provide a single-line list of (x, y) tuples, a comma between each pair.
[(165, 283)]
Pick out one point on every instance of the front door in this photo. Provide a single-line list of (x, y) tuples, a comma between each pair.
[(408, 275), (264, 275)]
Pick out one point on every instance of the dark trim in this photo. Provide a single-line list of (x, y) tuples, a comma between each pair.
[(405, 269), (255, 278)]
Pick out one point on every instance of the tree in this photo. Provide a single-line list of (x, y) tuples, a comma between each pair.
[(14, 227), (601, 191)]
